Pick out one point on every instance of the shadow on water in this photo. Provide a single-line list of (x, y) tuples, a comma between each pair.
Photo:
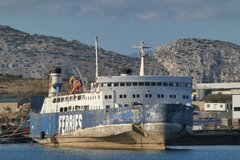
[(177, 149)]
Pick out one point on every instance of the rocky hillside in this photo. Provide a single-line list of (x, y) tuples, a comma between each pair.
[(204, 60), (34, 55)]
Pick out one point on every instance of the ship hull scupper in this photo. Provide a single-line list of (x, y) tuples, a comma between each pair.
[(137, 127)]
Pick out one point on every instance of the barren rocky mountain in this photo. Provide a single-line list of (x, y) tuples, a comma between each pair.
[(204, 60), (35, 55)]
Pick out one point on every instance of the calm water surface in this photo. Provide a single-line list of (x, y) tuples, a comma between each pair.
[(37, 152)]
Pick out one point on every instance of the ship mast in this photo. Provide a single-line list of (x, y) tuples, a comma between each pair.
[(142, 46), (96, 51)]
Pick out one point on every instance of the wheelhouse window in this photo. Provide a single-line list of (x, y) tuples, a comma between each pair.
[(147, 83), (165, 84), (116, 84), (128, 84), (236, 108), (141, 84), (153, 83), (122, 84), (135, 83)]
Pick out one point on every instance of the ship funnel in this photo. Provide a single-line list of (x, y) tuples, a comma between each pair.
[(55, 85)]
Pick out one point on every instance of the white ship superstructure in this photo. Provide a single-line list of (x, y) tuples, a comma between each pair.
[(123, 91)]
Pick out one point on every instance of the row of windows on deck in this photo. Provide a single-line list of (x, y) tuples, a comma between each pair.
[(148, 95), (78, 108), (73, 98), (165, 84)]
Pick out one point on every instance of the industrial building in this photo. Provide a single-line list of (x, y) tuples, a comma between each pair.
[(227, 110), (11, 104)]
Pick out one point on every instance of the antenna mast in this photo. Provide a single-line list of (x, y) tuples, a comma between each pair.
[(96, 51), (142, 46)]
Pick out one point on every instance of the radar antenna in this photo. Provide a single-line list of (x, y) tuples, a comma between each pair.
[(142, 46)]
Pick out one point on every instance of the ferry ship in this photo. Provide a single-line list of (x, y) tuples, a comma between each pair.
[(118, 112)]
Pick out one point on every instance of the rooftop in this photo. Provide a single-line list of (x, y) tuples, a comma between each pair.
[(217, 98), (7, 100)]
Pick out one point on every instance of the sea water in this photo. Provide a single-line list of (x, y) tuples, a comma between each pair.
[(38, 152)]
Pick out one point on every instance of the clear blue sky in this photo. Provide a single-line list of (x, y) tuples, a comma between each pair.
[(121, 23)]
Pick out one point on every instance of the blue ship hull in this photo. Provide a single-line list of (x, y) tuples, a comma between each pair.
[(161, 121)]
